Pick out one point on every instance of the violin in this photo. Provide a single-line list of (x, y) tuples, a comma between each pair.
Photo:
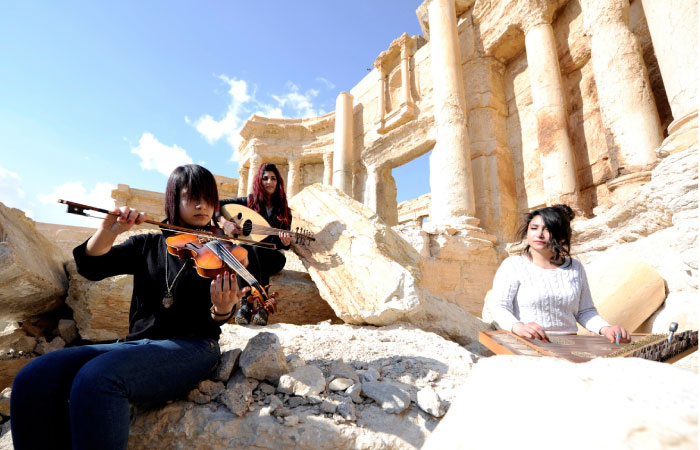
[(211, 251), (213, 257)]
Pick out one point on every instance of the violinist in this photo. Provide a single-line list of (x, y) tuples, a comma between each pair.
[(270, 201), (81, 395)]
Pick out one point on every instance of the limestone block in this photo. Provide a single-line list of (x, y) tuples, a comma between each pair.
[(429, 401), (299, 302), (680, 307), (263, 359), (228, 363), (390, 397), (9, 369), (32, 278), (625, 290), (305, 381), (239, 393), (67, 330), (620, 400), (367, 272), (100, 308), (15, 338)]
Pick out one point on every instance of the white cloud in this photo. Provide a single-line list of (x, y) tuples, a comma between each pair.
[(160, 157), (11, 193), (244, 103), (326, 82), (100, 196), (302, 104)]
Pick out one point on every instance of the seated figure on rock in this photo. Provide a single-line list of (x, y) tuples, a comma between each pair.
[(270, 201), (544, 290), (80, 396)]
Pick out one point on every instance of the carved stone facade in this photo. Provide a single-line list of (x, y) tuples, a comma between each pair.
[(522, 103)]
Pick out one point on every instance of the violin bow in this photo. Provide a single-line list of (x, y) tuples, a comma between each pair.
[(79, 209)]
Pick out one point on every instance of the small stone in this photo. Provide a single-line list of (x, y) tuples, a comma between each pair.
[(370, 375), (328, 406), (228, 363), (295, 361), (197, 397), (354, 392), (44, 347), (275, 402), (347, 410), (267, 388), (390, 397), (291, 421), (296, 401), (303, 381), (429, 401), (340, 384), (68, 330), (341, 370), (211, 388)]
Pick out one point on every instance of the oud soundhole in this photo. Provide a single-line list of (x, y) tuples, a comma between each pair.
[(247, 227)]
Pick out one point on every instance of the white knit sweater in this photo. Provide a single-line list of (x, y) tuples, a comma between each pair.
[(553, 298)]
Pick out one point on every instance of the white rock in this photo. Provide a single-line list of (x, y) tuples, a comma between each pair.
[(623, 402), (304, 381)]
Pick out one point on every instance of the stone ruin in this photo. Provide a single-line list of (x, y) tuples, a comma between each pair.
[(523, 104)]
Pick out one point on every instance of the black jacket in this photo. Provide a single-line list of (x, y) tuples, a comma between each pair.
[(144, 257)]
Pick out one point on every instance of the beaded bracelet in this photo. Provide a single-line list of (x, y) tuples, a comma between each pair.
[(227, 316)]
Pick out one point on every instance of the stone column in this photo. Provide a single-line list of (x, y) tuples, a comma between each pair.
[(381, 97), (450, 161), (328, 168), (342, 145), (624, 92), (255, 163), (492, 161), (242, 181), (293, 175), (673, 25), (405, 75), (380, 194), (558, 170)]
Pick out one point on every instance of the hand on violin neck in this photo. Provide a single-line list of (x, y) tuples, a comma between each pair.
[(116, 222), (225, 293)]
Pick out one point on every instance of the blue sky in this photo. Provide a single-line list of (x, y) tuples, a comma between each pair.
[(96, 93)]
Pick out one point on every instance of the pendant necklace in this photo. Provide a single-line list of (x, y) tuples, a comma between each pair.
[(168, 299)]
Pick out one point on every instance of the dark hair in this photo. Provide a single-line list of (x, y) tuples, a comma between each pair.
[(199, 183), (557, 219), (258, 198)]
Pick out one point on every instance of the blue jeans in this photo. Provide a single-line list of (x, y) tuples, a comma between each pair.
[(80, 396)]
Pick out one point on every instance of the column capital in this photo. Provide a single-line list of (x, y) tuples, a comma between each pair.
[(255, 159), (597, 13), (536, 12)]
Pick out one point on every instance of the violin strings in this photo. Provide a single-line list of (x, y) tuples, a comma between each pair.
[(236, 265)]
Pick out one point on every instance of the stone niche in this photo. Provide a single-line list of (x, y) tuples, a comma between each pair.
[(397, 83)]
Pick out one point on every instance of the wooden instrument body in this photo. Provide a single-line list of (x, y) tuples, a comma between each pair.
[(256, 228), (572, 347), (246, 218)]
